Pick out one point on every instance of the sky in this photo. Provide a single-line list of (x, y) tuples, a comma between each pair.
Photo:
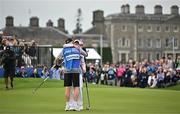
[(22, 10)]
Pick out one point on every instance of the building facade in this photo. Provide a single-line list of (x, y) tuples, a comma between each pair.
[(143, 36)]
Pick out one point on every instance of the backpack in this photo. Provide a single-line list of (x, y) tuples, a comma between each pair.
[(111, 72)]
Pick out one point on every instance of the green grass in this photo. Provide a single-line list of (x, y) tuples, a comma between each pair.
[(50, 99)]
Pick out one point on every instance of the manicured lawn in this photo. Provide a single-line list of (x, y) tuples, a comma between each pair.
[(49, 99)]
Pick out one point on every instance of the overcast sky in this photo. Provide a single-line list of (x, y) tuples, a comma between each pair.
[(22, 10)]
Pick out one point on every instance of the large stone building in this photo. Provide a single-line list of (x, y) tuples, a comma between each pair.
[(139, 35)]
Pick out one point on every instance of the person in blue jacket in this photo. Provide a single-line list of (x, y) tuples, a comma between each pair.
[(71, 59)]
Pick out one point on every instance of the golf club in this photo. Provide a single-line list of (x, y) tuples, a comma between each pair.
[(87, 91), (40, 85)]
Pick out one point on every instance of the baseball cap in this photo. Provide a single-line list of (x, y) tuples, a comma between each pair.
[(77, 41), (68, 40), (1, 32)]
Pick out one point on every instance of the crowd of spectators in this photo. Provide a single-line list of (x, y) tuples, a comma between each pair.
[(26, 59), (25, 52), (158, 73)]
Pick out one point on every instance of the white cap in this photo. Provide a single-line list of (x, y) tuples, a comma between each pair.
[(1, 32), (81, 42), (77, 41)]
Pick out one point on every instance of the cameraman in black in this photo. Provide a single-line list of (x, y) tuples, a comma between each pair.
[(9, 63)]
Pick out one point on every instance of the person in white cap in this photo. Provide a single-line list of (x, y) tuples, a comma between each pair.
[(83, 70)]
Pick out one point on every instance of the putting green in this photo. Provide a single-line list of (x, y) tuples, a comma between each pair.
[(49, 99)]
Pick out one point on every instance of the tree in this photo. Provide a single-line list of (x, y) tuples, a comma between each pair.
[(78, 29)]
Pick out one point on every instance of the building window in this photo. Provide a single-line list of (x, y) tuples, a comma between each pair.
[(139, 56), (149, 42), (158, 56), (124, 28), (167, 42), (175, 42), (127, 43), (123, 57), (140, 42), (175, 29), (119, 42), (123, 41), (158, 29), (167, 29), (140, 28), (149, 28), (158, 43)]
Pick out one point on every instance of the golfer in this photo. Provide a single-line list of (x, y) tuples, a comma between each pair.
[(72, 69), (83, 70)]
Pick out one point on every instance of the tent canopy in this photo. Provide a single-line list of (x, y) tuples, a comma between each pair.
[(92, 53)]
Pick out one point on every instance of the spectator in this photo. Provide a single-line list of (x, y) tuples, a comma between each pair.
[(45, 72), (120, 75), (160, 78), (152, 81), (102, 76), (1, 38), (111, 76), (23, 72), (127, 77), (32, 52), (56, 72), (98, 72), (143, 77), (92, 75), (35, 73), (8, 61), (177, 63), (26, 59), (105, 70), (134, 75)]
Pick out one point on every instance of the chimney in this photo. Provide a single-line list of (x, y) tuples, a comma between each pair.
[(139, 9), (49, 23), (9, 21), (127, 9), (61, 24), (98, 20), (123, 9), (174, 10), (158, 10), (34, 22), (98, 17)]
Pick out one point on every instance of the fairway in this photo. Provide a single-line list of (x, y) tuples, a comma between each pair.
[(49, 99)]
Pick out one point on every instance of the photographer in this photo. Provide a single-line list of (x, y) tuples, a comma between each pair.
[(55, 72), (1, 38), (8, 61)]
